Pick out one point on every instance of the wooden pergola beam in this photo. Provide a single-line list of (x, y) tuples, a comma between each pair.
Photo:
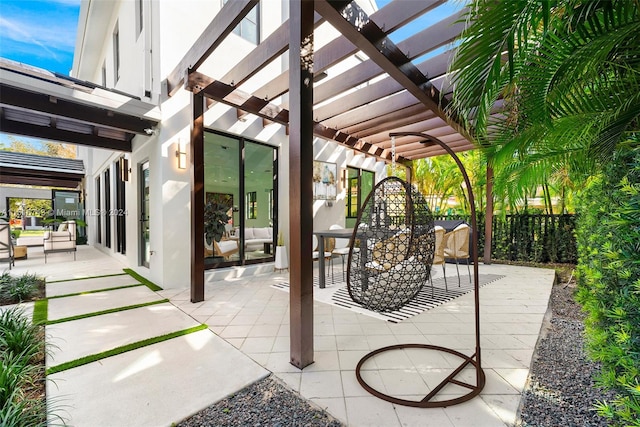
[(229, 95), (382, 139), (267, 51), (54, 134), (218, 29), (415, 46), (434, 67), (353, 23), (390, 17), (38, 102), (404, 116), (301, 183), (374, 111), (196, 170)]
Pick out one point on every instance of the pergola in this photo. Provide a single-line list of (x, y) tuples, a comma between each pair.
[(40, 104), (398, 96)]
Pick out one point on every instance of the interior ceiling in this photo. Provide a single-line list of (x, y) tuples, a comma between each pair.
[(221, 159), (361, 105)]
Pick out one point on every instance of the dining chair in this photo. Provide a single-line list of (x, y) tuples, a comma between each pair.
[(438, 255), (341, 248), (457, 247), (329, 245)]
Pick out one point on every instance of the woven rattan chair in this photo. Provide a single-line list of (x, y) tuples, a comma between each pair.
[(457, 247), (438, 256), (396, 241)]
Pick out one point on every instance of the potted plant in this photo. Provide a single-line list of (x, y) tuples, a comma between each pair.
[(215, 219), (281, 261)]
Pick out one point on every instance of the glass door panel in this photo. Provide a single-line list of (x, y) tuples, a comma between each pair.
[(222, 185), (258, 189), (145, 246)]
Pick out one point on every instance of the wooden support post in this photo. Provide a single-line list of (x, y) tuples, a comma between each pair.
[(197, 198), (300, 181), (488, 217)]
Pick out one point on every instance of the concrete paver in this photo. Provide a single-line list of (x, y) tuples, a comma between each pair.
[(155, 385), (60, 308), (87, 285), (78, 338)]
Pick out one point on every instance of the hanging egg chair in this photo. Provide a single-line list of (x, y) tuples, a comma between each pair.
[(392, 247)]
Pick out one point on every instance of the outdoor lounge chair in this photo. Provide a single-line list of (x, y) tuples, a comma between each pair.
[(61, 240), (6, 245)]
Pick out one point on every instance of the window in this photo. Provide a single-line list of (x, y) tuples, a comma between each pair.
[(116, 54), (252, 205), (107, 208), (139, 16), (120, 212), (359, 184), (249, 27)]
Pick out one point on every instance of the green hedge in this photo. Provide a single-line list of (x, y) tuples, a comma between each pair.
[(608, 233)]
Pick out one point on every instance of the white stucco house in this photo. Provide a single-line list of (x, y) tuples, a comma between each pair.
[(138, 202)]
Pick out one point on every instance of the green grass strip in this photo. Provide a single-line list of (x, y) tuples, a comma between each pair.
[(85, 278), (100, 313), (148, 283), (40, 309), (122, 349), (96, 291)]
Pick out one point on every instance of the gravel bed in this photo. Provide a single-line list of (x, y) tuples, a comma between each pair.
[(265, 403), (561, 390)]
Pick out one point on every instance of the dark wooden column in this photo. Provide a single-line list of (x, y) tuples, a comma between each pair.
[(488, 218), (196, 156), (300, 181)]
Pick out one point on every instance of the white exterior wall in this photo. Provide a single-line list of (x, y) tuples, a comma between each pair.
[(172, 26)]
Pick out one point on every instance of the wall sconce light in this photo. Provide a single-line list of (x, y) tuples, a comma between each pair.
[(124, 169), (181, 154)]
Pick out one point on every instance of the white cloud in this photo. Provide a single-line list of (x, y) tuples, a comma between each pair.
[(49, 35)]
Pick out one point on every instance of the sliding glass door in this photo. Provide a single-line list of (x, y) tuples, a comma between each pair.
[(240, 200)]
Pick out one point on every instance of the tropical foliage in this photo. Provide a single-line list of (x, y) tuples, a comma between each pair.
[(552, 90), (21, 370), (609, 280), (47, 148), (565, 78)]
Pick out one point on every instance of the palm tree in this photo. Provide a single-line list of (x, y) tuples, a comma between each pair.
[(568, 74)]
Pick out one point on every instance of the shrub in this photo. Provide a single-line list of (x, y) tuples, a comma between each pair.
[(608, 236), (18, 289), (21, 370)]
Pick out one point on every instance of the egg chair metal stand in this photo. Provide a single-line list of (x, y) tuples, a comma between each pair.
[(417, 244)]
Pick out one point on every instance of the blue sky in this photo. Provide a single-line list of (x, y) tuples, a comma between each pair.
[(40, 33)]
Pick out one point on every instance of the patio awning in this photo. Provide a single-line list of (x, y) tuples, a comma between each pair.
[(32, 169), (357, 106), (41, 104)]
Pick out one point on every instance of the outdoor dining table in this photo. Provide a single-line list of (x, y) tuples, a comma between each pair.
[(340, 233)]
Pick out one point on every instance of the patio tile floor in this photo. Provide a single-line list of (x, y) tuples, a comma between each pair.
[(253, 316)]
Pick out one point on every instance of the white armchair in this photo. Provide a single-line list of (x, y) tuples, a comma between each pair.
[(62, 240), (6, 245)]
